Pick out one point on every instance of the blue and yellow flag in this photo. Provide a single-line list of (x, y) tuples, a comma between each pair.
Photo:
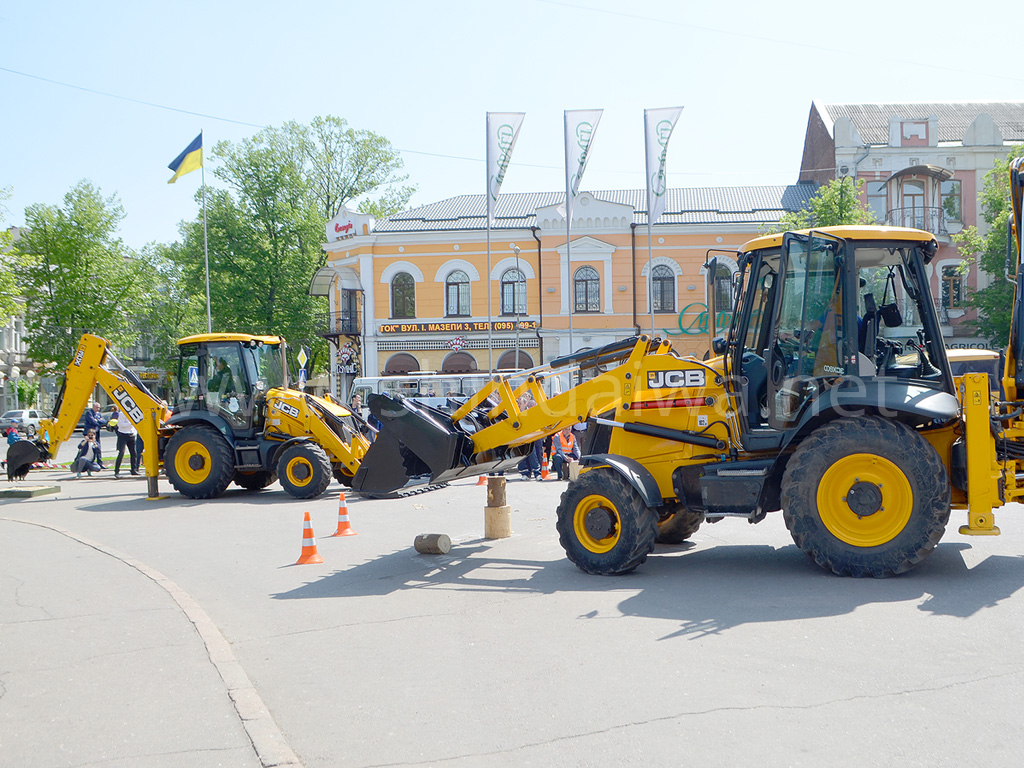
[(189, 160)]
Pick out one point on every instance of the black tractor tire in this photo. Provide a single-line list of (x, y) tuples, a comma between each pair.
[(255, 481), (342, 478), (304, 470), (603, 524), (866, 496), (678, 524), (199, 462)]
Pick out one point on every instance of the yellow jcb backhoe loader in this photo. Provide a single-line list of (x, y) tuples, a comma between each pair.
[(236, 419), (830, 398)]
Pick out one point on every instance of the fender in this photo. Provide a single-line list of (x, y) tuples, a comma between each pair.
[(913, 404), (197, 416), (634, 473), (277, 447)]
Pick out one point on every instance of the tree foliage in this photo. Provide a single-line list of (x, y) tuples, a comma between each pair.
[(266, 227), (76, 274), (841, 201), (995, 302), (9, 291)]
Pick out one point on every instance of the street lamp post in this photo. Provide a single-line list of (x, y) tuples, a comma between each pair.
[(15, 375)]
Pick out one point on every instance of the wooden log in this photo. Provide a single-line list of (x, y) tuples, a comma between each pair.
[(498, 522), (496, 491), (433, 544)]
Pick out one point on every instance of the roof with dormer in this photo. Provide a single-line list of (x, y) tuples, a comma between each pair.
[(699, 205), (872, 120)]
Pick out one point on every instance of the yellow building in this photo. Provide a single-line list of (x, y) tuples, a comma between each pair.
[(419, 291)]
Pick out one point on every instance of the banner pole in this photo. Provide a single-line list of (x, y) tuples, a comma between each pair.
[(206, 252)]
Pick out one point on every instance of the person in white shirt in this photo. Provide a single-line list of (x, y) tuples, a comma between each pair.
[(126, 438)]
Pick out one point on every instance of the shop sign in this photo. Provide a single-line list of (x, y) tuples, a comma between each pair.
[(457, 327)]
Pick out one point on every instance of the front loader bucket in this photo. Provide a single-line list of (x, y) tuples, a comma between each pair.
[(22, 455), (417, 443)]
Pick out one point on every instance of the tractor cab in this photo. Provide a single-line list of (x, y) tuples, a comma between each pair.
[(228, 375), (835, 318)]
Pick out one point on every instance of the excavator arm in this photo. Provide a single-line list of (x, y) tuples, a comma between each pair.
[(489, 432), (95, 364)]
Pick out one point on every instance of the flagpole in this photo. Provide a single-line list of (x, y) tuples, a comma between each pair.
[(650, 248), (206, 252), (490, 341)]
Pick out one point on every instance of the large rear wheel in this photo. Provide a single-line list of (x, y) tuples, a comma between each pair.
[(199, 462), (603, 524), (866, 496), (304, 470)]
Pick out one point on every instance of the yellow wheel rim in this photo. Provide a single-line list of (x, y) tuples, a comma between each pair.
[(192, 462), (865, 500), (595, 503), (295, 470)]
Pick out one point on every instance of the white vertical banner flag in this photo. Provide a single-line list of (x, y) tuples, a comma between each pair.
[(658, 125), (580, 127), (502, 132)]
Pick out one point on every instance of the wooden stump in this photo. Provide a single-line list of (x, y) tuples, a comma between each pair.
[(433, 544)]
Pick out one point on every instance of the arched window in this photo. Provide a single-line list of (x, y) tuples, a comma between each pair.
[(459, 362), (586, 288), (507, 362), (403, 295), (401, 362), (663, 289), (456, 294), (513, 292)]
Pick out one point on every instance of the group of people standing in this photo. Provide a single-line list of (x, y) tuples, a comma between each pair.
[(90, 452)]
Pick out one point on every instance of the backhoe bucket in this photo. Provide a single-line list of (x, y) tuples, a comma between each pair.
[(22, 455), (420, 444)]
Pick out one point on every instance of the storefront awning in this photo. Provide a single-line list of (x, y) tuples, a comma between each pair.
[(346, 277)]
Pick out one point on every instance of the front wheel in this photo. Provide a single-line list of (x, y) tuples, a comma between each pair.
[(603, 524), (199, 462), (304, 470), (866, 496), (255, 481), (678, 524)]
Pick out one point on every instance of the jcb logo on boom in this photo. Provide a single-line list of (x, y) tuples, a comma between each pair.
[(291, 410), (78, 357), (128, 405), (675, 379)]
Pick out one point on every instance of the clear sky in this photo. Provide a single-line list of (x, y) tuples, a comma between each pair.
[(113, 91)]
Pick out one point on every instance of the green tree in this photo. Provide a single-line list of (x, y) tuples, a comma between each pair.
[(9, 290), (994, 303), (76, 274), (266, 228), (841, 201)]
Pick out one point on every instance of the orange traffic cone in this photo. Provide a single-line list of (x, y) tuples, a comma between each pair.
[(545, 467), (309, 553), (344, 526), (482, 480)]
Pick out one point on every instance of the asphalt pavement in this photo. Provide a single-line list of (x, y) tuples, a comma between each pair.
[(178, 632)]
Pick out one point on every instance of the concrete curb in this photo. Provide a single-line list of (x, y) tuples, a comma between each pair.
[(267, 740)]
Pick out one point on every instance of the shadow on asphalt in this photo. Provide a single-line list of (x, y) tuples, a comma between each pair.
[(706, 592)]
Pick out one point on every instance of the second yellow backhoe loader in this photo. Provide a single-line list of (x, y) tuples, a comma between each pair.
[(236, 419), (830, 398)]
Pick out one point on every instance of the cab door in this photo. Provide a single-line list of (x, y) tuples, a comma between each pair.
[(807, 336)]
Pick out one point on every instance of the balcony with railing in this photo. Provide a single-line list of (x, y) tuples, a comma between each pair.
[(931, 219), (331, 325)]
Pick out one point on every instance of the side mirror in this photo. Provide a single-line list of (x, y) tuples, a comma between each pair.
[(719, 345)]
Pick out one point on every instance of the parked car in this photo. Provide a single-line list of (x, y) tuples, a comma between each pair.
[(26, 421)]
